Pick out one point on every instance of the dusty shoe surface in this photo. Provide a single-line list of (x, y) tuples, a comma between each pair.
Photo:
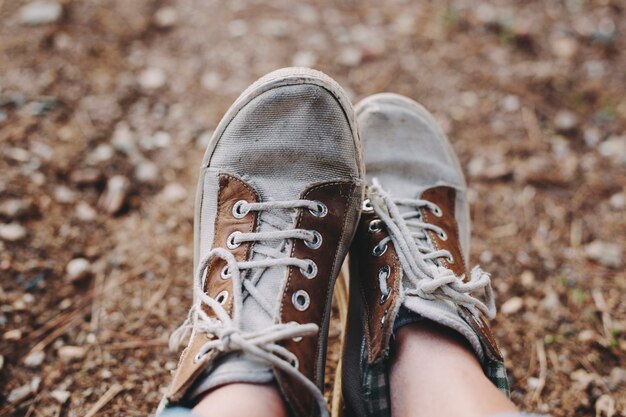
[(409, 254), (277, 206)]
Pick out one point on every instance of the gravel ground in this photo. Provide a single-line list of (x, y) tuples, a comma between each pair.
[(106, 106)]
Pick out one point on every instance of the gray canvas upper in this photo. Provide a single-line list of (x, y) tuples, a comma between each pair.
[(407, 152)]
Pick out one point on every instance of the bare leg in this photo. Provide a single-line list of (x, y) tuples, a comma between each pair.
[(242, 400), (433, 372)]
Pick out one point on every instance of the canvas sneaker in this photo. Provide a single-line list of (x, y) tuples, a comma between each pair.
[(408, 260), (277, 206)]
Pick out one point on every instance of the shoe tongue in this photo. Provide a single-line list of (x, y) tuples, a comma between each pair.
[(270, 281), (403, 209), (243, 367)]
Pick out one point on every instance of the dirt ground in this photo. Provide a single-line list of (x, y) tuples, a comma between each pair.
[(106, 106)]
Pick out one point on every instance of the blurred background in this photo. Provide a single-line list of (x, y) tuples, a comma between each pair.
[(106, 107)]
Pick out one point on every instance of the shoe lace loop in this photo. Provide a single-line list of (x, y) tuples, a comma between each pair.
[(428, 279), (227, 332)]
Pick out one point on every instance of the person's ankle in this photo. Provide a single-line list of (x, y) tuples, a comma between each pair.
[(236, 400), (434, 338)]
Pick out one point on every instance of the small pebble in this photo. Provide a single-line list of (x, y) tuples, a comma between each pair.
[(174, 192), (13, 335), (20, 393), (617, 377), (203, 139), (614, 148), (586, 335), (34, 359), (565, 121), (350, 57), (527, 278), (618, 201), (564, 47), (211, 81), (77, 269), (69, 354), (61, 396), (304, 59), (102, 153), (123, 140), (41, 13), (12, 232), (532, 382), (147, 171), (605, 253), (592, 136), (64, 195), (551, 301), (85, 212), (166, 17), (15, 208), (115, 194), (152, 78), (511, 103), (512, 306)]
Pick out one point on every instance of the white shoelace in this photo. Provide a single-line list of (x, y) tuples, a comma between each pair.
[(428, 279), (227, 330)]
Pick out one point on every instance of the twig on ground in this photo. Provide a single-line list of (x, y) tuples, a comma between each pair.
[(73, 321), (603, 308), (102, 401), (543, 370)]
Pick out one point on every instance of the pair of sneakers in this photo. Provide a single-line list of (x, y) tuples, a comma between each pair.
[(292, 181)]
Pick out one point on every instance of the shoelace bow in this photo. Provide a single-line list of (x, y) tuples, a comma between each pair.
[(227, 330), (429, 280)]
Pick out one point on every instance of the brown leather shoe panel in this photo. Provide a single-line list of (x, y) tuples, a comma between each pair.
[(337, 196), (445, 198), (188, 368), (380, 310), (231, 190)]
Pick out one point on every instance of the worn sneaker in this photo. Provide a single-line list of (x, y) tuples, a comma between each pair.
[(277, 206), (407, 262)]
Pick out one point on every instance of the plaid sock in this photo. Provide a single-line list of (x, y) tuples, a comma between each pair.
[(404, 317)]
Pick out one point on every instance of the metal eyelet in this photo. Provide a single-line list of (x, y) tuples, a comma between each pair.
[(385, 296), (301, 300), (375, 226), (317, 241), (230, 241), (384, 271), (442, 235), (225, 274), (383, 319), (367, 206), (321, 209), (436, 211), (295, 363), (378, 251), (198, 357), (237, 212), (222, 297), (450, 259), (311, 270)]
